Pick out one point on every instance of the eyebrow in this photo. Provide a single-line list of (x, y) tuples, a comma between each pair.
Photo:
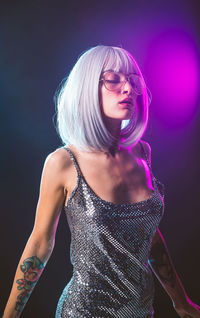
[(109, 71)]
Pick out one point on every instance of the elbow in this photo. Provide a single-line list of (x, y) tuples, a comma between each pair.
[(42, 245)]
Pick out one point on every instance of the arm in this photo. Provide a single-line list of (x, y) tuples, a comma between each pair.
[(162, 266), (41, 241)]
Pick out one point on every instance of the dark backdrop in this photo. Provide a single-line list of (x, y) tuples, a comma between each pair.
[(40, 42)]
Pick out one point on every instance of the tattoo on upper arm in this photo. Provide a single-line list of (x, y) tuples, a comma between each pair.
[(32, 268), (160, 262)]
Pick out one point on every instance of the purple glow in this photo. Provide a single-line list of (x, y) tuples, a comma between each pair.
[(173, 70)]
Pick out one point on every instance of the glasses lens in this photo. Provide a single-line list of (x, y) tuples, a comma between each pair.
[(137, 83), (112, 80)]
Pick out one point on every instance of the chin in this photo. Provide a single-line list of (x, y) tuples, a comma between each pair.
[(127, 115)]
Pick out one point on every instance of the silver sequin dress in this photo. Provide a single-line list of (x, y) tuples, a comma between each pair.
[(109, 251)]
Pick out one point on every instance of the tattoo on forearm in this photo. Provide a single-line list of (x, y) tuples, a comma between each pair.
[(32, 268), (159, 260)]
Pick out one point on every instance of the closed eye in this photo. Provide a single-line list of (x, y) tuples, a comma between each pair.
[(112, 81)]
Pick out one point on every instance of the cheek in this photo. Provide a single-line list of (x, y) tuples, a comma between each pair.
[(106, 97)]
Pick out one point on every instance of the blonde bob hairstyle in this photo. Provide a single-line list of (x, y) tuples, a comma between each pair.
[(79, 116)]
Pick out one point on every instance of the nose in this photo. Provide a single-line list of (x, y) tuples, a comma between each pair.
[(127, 87)]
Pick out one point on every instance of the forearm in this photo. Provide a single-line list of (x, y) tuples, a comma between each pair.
[(162, 266), (29, 270)]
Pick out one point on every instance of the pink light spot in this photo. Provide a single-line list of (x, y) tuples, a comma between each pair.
[(173, 69)]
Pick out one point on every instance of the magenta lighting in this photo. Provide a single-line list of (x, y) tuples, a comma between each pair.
[(174, 78)]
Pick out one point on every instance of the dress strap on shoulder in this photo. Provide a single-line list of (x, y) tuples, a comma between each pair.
[(73, 160), (159, 185), (145, 154), (147, 159)]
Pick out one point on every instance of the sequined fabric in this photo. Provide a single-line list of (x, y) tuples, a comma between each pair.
[(109, 251)]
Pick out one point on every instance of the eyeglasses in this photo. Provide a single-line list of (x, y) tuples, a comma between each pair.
[(116, 80)]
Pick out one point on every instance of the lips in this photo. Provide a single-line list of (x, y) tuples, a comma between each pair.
[(126, 101)]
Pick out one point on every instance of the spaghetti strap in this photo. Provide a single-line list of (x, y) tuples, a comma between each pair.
[(147, 160), (74, 161), (145, 154), (157, 183)]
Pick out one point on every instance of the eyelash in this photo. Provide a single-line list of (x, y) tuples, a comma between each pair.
[(112, 81)]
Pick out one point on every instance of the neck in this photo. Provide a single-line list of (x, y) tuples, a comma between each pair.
[(112, 151), (114, 126)]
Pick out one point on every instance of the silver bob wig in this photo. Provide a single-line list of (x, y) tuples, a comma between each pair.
[(79, 117)]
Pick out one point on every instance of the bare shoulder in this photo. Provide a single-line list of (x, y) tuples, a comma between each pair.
[(57, 164), (58, 159)]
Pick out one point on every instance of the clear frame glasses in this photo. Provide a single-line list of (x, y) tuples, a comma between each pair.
[(116, 80)]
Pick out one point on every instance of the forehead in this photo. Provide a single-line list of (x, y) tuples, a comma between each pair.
[(119, 62)]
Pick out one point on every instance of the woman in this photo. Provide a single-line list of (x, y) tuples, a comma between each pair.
[(103, 178)]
